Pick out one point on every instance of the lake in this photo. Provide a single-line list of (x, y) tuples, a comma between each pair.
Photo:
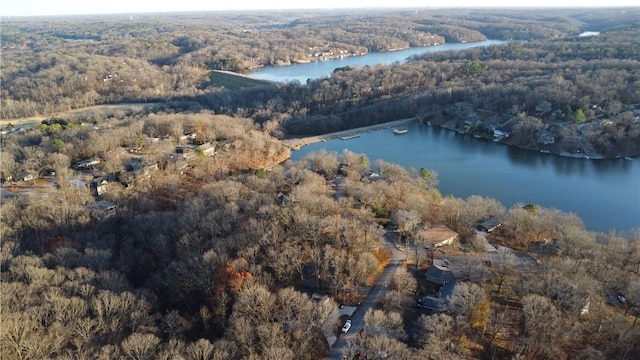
[(318, 69), (605, 194)]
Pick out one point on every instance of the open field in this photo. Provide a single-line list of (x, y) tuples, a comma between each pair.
[(234, 81), (104, 110)]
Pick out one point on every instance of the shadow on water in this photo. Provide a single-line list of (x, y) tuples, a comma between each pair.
[(564, 165), (561, 165)]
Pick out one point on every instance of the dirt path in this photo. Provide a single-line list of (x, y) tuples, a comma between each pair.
[(297, 143), (104, 109)]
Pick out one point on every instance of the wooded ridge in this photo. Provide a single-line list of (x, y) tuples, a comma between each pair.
[(178, 230)]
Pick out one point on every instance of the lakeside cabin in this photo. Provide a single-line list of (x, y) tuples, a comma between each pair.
[(488, 225)]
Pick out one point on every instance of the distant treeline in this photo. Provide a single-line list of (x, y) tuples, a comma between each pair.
[(54, 64)]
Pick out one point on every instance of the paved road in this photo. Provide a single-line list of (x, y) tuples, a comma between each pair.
[(376, 293)]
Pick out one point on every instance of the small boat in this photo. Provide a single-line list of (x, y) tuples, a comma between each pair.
[(400, 131), (628, 158)]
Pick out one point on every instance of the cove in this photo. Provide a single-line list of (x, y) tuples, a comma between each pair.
[(318, 69), (605, 194)]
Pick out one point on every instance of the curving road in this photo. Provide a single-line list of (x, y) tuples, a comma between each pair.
[(376, 293)]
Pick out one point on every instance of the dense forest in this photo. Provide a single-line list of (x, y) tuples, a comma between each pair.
[(179, 230), (226, 260)]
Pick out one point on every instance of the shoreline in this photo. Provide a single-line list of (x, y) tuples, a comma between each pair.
[(296, 143)]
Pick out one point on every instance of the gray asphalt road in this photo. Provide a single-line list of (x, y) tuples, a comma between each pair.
[(344, 343), (376, 293)]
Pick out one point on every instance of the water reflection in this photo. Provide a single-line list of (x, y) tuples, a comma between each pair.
[(604, 193), (320, 69)]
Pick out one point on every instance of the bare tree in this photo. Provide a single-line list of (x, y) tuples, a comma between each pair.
[(465, 304), (201, 349), (504, 265), (140, 346), (404, 282), (542, 328), (436, 335), (406, 222), (390, 324)]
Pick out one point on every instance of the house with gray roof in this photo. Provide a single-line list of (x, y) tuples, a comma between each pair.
[(440, 272)]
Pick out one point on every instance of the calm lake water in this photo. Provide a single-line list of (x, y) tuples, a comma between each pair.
[(317, 69), (604, 193)]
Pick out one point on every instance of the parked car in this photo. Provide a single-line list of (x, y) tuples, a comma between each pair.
[(346, 326), (622, 299)]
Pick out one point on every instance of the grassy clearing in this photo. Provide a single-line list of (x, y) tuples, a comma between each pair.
[(234, 81)]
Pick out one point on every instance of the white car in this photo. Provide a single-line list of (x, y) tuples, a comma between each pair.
[(346, 326)]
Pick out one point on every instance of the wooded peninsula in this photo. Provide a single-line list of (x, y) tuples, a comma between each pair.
[(149, 210)]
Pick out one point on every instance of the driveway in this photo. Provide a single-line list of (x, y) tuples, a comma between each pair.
[(374, 296)]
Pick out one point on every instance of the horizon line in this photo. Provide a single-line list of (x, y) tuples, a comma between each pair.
[(165, 12)]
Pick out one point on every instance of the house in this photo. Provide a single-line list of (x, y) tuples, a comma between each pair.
[(102, 209), (86, 164), (440, 272), (99, 185), (543, 109), (183, 152), (141, 164), (208, 149), (499, 134), (134, 164), (546, 137), (130, 178), (189, 136), (177, 164), (26, 176), (438, 235), (371, 176), (489, 224), (343, 169), (440, 301)]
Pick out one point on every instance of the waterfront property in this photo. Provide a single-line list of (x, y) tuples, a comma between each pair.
[(488, 225), (603, 193)]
